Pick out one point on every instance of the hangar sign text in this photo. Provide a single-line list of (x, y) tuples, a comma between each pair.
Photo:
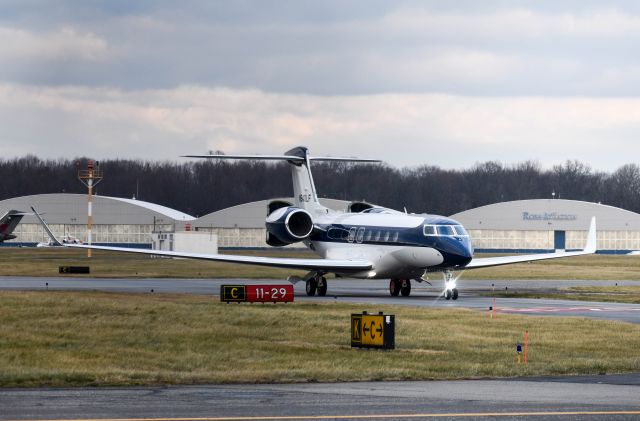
[(548, 216)]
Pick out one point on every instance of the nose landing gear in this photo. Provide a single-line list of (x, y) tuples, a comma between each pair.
[(450, 289)]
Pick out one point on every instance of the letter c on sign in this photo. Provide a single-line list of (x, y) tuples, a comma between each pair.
[(234, 292)]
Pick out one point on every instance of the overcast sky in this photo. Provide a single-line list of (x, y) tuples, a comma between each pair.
[(447, 83)]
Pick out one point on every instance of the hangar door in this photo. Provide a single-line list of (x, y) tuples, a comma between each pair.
[(559, 240)]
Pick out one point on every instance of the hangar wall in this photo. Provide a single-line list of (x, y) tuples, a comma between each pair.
[(550, 224), (518, 226), (243, 226), (116, 220)]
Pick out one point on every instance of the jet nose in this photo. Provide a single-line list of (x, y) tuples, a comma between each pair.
[(457, 251), (463, 253)]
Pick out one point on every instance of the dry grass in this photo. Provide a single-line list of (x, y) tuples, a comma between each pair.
[(92, 338), (594, 267), (45, 262), (617, 294)]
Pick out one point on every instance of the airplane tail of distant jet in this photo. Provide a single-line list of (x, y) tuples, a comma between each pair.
[(304, 190), (8, 223)]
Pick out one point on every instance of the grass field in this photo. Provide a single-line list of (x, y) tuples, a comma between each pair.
[(617, 294), (45, 262), (91, 338)]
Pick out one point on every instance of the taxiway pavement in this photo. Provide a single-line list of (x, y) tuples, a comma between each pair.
[(372, 292), (574, 398)]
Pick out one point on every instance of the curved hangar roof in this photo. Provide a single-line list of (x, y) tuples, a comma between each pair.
[(253, 214), (66, 208), (548, 214)]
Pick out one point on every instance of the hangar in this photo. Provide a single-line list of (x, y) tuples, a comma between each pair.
[(136, 223), (524, 226), (116, 221), (529, 226), (243, 226)]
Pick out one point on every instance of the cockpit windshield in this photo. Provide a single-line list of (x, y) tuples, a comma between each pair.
[(460, 230), (429, 230), (445, 230)]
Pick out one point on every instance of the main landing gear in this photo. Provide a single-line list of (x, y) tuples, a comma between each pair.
[(316, 284), (400, 287), (450, 290)]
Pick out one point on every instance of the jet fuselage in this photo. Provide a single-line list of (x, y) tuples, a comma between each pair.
[(399, 245)]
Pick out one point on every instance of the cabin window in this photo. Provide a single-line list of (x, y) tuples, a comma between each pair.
[(386, 236), (352, 234), (429, 230), (367, 237), (395, 237), (338, 233), (360, 235), (377, 238), (445, 230)]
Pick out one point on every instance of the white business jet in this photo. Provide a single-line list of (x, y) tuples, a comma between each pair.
[(368, 243)]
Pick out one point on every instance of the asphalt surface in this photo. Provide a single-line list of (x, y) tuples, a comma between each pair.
[(373, 292), (566, 398), (604, 397)]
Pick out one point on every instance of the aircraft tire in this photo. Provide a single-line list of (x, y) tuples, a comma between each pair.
[(312, 285), (447, 294), (322, 287), (454, 295), (394, 287), (405, 288)]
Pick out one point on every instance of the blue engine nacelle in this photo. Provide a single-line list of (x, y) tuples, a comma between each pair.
[(288, 225)]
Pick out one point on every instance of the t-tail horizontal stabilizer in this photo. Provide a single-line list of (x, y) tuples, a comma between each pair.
[(304, 189), (290, 158)]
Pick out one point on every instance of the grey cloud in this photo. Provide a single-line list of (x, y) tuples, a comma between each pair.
[(339, 48)]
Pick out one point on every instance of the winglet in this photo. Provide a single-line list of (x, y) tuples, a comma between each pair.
[(591, 244), (46, 228)]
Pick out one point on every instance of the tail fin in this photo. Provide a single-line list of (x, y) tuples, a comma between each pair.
[(8, 223), (304, 190)]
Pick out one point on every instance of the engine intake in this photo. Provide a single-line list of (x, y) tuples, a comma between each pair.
[(288, 225)]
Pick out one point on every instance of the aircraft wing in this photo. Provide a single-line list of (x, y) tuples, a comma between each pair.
[(330, 265), (590, 248)]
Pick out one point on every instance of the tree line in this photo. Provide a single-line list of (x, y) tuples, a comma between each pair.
[(203, 186)]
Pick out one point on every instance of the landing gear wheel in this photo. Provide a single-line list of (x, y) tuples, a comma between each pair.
[(322, 286), (312, 284), (454, 294), (405, 289), (394, 287), (447, 294)]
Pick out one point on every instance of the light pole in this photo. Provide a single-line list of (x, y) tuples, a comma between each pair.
[(90, 178)]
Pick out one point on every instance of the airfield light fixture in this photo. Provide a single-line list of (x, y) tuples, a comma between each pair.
[(90, 177)]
